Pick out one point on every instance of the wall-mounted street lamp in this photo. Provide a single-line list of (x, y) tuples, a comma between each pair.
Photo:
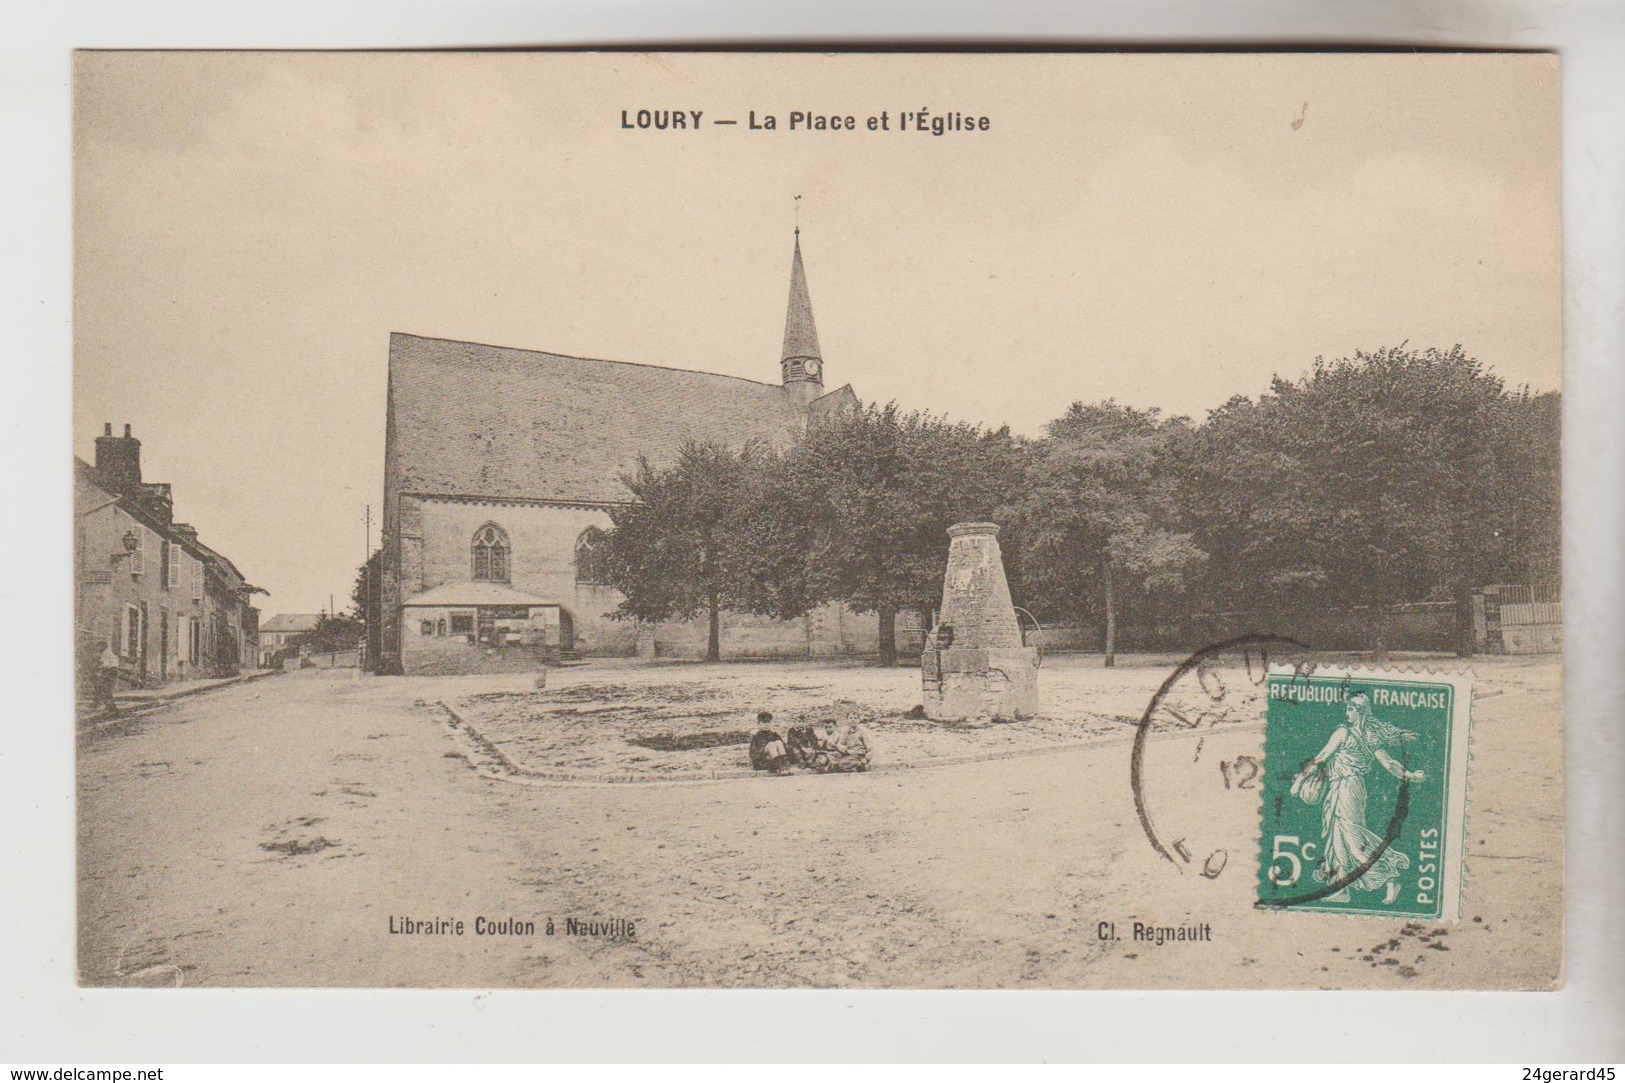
[(131, 544)]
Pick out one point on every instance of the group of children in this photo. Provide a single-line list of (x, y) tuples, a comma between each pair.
[(823, 749)]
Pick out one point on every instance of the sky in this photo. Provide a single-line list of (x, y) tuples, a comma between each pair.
[(1166, 231)]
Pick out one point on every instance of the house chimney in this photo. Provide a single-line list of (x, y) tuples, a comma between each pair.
[(118, 460)]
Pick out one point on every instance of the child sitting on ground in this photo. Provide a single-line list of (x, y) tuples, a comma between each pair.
[(767, 749)]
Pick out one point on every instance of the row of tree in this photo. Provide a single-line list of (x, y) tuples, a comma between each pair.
[(1390, 477)]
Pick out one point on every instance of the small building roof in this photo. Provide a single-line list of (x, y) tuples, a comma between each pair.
[(476, 594), (291, 622)]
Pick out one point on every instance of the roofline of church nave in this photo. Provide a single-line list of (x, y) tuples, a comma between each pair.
[(536, 501), (594, 360)]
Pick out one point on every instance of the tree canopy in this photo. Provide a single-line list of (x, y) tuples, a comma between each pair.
[(874, 491), (679, 550), (1098, 513), (1393, 476), (1386, 477)]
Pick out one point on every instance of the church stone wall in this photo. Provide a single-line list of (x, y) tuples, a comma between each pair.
[(410, 532), (596, 632)]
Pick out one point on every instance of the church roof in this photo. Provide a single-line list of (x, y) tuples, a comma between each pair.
[(474, 420), (833, 403), (800, 334)]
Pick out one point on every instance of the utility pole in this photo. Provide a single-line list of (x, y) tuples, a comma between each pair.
[(366, 594)]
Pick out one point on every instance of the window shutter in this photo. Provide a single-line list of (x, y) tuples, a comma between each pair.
[(138, 558), (174, 565)]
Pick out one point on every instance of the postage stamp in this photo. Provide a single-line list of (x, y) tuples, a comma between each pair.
[(1364, 797)]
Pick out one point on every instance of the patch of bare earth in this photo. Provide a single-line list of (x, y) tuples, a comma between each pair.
[(699, 721)]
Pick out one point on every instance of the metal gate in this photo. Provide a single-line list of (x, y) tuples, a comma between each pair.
[(1518, 618)]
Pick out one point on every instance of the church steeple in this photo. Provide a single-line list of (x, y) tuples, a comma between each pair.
[(801, 362)]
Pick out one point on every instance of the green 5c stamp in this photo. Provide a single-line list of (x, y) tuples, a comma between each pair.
[(1365, 787)]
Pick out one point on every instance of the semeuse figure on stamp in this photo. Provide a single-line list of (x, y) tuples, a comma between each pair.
[(1336, 775)]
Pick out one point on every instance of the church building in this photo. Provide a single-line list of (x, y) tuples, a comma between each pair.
[(501, 467)]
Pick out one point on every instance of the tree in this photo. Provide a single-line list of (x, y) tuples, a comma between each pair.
[(331, 634), (862, 504), (676, 552), (367, 605), (1097, 513), (1528, 512), (1373, 480), (772, 547)]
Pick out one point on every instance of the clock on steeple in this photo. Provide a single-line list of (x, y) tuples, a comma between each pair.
[(801, 363)]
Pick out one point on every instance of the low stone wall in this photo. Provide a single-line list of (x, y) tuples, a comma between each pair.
[(1423, 626), (742, 636), (432, 656), (828, 632)]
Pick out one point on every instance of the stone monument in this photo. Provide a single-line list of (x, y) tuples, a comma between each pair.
[(974, 666)]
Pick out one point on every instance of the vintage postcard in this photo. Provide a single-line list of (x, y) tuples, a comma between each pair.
[(620, 519)]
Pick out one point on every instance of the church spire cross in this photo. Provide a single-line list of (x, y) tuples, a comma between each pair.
[(801, 361)]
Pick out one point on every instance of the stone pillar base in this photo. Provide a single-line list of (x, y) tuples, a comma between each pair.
[(980, 684)]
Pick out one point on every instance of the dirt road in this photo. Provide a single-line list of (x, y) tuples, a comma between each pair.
[(271, 833)]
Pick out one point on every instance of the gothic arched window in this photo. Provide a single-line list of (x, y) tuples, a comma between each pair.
[(590, 556), (490, 553)]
